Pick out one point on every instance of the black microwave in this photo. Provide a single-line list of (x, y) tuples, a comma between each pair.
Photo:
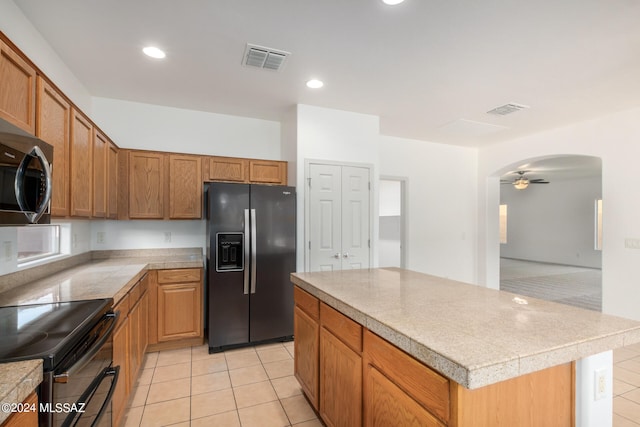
[(25, 180)]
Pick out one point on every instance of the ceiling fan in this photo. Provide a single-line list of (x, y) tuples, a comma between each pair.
[(521, 182)]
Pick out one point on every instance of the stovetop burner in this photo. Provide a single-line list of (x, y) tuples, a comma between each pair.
[(48, 331)]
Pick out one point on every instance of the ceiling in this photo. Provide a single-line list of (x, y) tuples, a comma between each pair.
[(430, 69)]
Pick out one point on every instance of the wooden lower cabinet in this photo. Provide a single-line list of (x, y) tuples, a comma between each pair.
[(341, 382), (387, 405), (353, 377), (26, 418), (175, 308), (306, 353), (129, 344), (120, 358)]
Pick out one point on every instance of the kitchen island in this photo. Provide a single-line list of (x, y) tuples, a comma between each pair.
[(409, 348)]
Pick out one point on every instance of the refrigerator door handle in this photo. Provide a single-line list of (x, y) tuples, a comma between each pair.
[(253, 251), (246, 252)]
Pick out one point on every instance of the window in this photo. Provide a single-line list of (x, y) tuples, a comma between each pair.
[(598, 225), (38, 242), (503, 223)]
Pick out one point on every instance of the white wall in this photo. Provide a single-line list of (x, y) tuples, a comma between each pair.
[(616, 140), (145, 234), (154, 127), (26, 37), (441, 204), (553, 223), (335, 136)]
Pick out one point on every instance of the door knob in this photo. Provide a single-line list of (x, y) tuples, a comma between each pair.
[(337, 256), (346, 255)]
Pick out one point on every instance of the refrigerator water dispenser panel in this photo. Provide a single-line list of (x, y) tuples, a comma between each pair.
[(230, 252)]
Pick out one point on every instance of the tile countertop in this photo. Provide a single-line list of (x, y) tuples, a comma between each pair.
[(471, 334), (98, 278), (19, 379)]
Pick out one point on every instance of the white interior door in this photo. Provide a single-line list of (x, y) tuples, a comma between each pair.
[(325, 198), (339, 223), (355, 217)]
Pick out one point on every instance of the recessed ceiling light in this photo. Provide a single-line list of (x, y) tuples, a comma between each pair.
[(154, 52), (315, 84), (392, 2)]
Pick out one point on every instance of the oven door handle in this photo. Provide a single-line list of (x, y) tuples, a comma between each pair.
[(88, 394), (63, 377)]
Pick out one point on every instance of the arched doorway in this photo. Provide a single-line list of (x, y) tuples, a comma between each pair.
[(550, 229)]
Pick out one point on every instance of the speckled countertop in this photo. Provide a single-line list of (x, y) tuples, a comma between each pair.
[(19, 379), (108, 275), (472, 335), (98, 278)]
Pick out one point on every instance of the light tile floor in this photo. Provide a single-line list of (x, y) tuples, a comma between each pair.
[(626, 386), (246, 387)]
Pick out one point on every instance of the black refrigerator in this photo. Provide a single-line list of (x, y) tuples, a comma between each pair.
[(251, 250)]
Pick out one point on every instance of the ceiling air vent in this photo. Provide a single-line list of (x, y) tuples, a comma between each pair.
[(505, 109), (264, 57)]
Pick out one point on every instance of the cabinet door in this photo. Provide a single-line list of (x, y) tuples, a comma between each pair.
[(179, 311), (100, 150), (143, 326), (26, 418), (306, 353), (121, 358), (112, 181), (185, 187), (341, 384), (386, 405), (268, 172), (53, 124), (146, 185), (134, 343), (81, 188), (17, 90), (227, 169)]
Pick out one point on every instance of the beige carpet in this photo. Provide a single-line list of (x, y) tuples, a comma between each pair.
[(576, 286)]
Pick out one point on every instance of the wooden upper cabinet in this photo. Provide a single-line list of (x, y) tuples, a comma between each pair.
[(52, 126), (245, 170), (100, 151), (146, 185), (268, 172), (81, 188), (112, 181), (185, 186), (17, 90), (227, 169)]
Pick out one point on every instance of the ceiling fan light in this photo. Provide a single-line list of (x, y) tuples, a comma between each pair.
[(521, 183)]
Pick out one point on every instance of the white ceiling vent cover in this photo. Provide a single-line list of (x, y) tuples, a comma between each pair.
[(264, 57), (509, 108)]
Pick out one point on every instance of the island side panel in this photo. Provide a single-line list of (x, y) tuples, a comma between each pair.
[(542, 398)]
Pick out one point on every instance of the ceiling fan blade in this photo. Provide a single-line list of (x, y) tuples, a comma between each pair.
[(538, 180)]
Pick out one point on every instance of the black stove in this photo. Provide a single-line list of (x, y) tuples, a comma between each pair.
[(49, 331)]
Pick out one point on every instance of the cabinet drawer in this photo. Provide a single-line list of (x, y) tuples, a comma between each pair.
[(342, 327), (307, 302), (423, 384), (181, 275)]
